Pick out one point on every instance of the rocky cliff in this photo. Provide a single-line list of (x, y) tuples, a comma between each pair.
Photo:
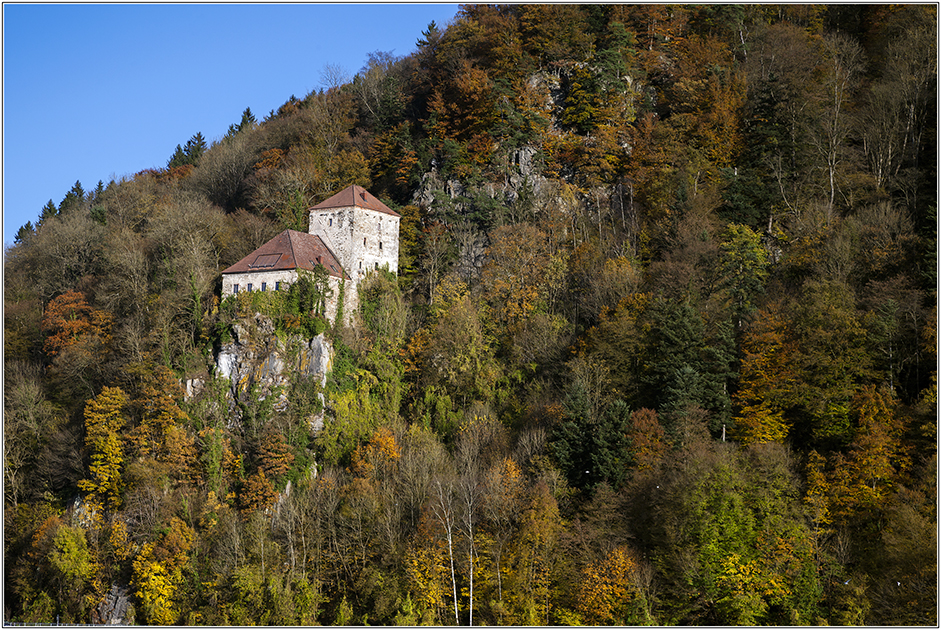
[(259, 360)]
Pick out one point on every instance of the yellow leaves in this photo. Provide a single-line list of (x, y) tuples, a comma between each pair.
[(158, 572), (380, 453), (155, 592), (210, 517), (765, 383), (818, 490), (356, 415), (103, 420), (70, 556), (757, 424), (749, 589), (506, 481), (449, 291), (120, 541), (427, 574), (607, 588), (104, 414)]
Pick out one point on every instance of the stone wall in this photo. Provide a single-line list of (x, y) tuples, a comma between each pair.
[(256, 278), (362, 240)]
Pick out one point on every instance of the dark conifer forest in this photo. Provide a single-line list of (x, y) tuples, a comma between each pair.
[(661, 348)]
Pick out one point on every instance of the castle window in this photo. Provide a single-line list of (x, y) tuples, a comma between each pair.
[(277, 286), (380, 244), (364, 241), (249, 287), (330, 222), (377, 265), (264, 286), (235, 288)]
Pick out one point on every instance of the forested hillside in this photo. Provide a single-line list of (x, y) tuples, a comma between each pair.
[(661, 350)]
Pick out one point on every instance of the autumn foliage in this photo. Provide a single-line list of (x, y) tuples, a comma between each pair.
[(661, 349)]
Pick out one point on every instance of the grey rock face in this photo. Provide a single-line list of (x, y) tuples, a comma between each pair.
[(258, 359), (115, 609)]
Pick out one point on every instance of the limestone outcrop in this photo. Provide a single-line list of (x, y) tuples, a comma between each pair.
[(259, 360)]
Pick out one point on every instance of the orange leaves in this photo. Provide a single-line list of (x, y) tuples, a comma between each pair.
[(647, 439), (257, 493), (463, 105), (875, 453), (271, 159), (860, 481), (711, 91), (72, 323), (381, 453), (274, 455), (505, 484), (513, 276), (607, 588)]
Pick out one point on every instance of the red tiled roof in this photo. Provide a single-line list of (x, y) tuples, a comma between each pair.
[(355, 196), (290, 250)]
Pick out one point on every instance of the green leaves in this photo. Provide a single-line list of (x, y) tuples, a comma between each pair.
[(743, 265)]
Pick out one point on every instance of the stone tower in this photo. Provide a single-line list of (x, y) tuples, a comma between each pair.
[(361, 231)]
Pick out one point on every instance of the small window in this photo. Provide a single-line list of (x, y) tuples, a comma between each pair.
[(364, 241), (277, 286), (235, 288), (249, 289), (380, 245), (377, 265), (330, 222), (264, 286), (360, 267)]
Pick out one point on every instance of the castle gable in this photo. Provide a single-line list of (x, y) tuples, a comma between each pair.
[(355, 197)]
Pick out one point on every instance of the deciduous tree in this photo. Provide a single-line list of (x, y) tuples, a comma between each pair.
[(105, 420)]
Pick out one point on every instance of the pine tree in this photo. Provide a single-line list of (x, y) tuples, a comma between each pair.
[(74, 199), (24, 233)]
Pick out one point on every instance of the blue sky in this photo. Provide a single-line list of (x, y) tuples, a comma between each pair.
[(97, 92)]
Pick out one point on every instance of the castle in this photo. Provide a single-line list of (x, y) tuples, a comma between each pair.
[(350, 234)]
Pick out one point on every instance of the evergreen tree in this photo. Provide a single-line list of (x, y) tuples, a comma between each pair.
[(74, 199), (611, 454), (177, 159), (190, 154), (684, 367), (24, 232), (48, 211), (194, 149)]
